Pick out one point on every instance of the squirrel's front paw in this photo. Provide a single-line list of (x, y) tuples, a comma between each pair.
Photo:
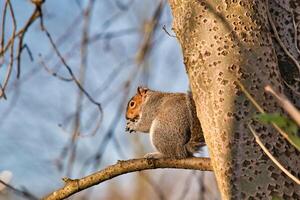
[(154, 155), (130, 126)]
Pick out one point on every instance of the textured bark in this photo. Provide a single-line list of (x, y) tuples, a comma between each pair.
[(224, 41), (286, 15)]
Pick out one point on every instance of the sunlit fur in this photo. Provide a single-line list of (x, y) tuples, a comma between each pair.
[(171, 120)]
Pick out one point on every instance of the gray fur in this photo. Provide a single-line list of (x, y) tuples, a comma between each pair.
[(177, 131)]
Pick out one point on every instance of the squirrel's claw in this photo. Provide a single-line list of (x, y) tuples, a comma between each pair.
[(130, 126), (154, 155), (127, 129)]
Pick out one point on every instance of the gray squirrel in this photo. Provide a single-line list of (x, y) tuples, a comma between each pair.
[(171, 120)]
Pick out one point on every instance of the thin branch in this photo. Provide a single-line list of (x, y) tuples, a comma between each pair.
[(167, 32), (35, 15), (294, 24), (107, 137), (291, 87), (295, 32), (112, 34), (72, 74), (123, 167), (100, 90), (278, 38), (149, 31), (110, 78), (22, 193), (96, 37), (26, 47), (248, 95), (111, 130), (286, 104), (258, 141), (11, 63), (2, 92), (53, 73), (10, 44), (62, 39), (82, 71), (260, 109), (3, 26), (123, 6)]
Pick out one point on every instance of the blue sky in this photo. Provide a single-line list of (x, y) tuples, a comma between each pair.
[(30, 136)]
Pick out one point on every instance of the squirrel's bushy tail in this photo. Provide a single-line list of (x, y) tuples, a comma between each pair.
[(197, 139)]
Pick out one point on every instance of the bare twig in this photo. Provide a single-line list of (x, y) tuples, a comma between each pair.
[(97, 158), (278, 38), (122, 6), (53, 73), (272, 157), (291, 87), (82, 70), (260, 109), (149, 31), (26, 47), (294, 24), (10, 44), (21, 33), (113, 34), (286, 104), (62, 39), (11, 63), (83, 61), (114, 17), (2, 92), (3, 25), (22, 193), (112, 76), (123, 167), (295, 32), (36, 14), (99, 36), (100, 90), (167, 32), (248, 95), (72, 74), (111, 130)]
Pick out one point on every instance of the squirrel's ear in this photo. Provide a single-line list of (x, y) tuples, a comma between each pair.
[(142, 90)]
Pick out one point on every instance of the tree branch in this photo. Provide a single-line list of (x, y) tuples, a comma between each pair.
[(73, 186)]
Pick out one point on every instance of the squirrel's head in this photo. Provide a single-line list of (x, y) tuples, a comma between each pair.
[(134, 105)]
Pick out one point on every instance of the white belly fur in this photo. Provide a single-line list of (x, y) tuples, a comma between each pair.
[(152, 128)]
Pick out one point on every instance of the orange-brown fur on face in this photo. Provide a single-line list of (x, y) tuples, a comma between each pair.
[(134, 105)]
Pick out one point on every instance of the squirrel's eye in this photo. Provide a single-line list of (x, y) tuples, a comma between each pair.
[(132, 104)]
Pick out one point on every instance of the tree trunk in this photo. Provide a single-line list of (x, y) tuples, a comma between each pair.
[(222, 42)]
